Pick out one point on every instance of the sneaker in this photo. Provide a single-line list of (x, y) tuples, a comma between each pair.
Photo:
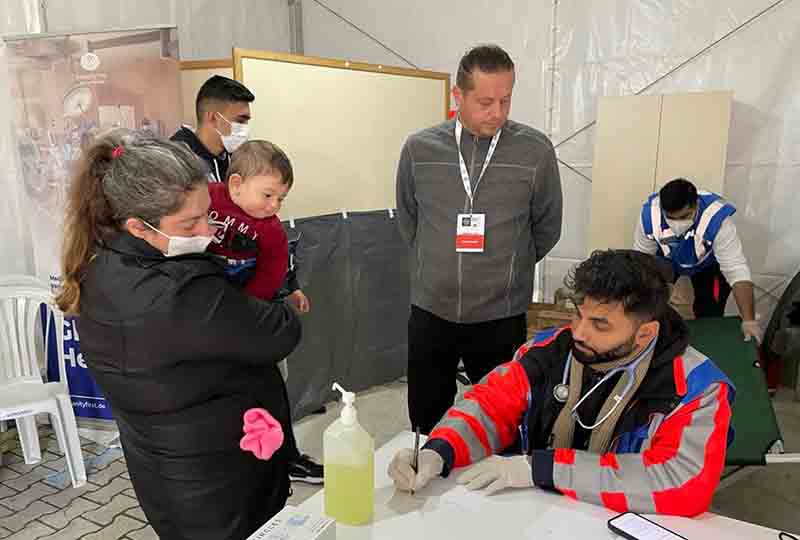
[(305, 469)]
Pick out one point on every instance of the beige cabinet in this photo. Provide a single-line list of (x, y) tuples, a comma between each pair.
[(643, 142)]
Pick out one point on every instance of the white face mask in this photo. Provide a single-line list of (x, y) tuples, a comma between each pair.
[(239, 135), (680, 226), (183, 245)]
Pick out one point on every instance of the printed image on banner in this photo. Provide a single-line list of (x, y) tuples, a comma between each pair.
[(68, 90)]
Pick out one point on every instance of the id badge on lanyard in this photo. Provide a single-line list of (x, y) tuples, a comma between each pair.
[(471, 227), (471, 233)]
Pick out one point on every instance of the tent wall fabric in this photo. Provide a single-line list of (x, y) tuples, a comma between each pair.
[(569, 53), (206, 29), (16, 249)]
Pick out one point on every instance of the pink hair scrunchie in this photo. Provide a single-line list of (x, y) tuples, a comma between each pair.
[(263, 435)]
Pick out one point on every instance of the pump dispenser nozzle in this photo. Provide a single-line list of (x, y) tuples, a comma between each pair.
[(349, 414)]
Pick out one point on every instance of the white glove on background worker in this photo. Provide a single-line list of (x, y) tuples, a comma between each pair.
[(429, 466), (497, 473), (751, 330)]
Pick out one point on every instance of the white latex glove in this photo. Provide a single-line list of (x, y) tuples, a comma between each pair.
[(751, 330), (430, 466), (497, 473)]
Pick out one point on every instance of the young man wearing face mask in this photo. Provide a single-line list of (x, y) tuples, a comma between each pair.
[(615, 409), (223, 114), (695, 232), (479, 204)]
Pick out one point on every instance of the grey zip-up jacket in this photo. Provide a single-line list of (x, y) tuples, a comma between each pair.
[(520, 193)]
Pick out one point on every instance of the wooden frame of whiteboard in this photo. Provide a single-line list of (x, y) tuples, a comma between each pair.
[(207, 64), (239, 54)]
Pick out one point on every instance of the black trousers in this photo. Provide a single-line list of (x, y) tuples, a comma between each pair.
[(435, 347), (711, 292), (289, 441), (215, 496)]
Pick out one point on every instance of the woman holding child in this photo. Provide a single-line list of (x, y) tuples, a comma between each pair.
[(180, 353)]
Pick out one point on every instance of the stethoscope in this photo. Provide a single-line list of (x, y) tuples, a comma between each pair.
[(561, 390)]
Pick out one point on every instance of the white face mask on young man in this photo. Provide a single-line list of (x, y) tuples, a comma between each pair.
[(239, 135), (680, 226), (183, 245)]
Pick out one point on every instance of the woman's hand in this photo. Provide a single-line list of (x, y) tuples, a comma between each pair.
[(300, 301)]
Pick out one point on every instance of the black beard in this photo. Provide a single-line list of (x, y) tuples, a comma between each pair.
[(594, 357)]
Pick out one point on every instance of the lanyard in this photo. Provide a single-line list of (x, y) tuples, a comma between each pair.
[(463, 166)]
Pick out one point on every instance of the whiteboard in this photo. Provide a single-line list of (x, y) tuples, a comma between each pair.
[(341, 123), (193, 75)]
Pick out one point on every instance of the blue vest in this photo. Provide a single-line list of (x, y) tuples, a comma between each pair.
[(693, 251)]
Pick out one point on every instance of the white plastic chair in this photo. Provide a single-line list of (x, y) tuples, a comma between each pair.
[(23, 394), (15, 280)]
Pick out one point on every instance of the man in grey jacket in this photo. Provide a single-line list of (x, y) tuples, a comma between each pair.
[(479, 204)]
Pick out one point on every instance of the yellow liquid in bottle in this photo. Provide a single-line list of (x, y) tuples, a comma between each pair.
[(349, 492)]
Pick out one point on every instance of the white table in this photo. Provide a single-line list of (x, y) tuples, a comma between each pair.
[(444, 510)]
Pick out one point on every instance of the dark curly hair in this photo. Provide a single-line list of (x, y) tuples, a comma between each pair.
[(639, 281)]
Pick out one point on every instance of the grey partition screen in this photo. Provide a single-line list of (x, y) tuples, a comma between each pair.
[(355, 271)]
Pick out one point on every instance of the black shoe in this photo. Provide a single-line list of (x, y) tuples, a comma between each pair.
[(305, 469)]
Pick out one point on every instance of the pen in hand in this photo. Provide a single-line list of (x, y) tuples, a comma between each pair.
[(415, 458)]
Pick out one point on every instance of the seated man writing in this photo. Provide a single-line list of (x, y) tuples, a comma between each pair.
[(615, 409)]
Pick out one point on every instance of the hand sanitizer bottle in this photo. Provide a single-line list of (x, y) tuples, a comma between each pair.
[(349, 453)]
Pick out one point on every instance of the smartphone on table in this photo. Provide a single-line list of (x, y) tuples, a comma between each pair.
[(632, 526)]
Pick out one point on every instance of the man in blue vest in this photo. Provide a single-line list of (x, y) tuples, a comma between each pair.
[(695, 232)]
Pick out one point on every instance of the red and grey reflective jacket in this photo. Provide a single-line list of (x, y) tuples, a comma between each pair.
[(668, 448)]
